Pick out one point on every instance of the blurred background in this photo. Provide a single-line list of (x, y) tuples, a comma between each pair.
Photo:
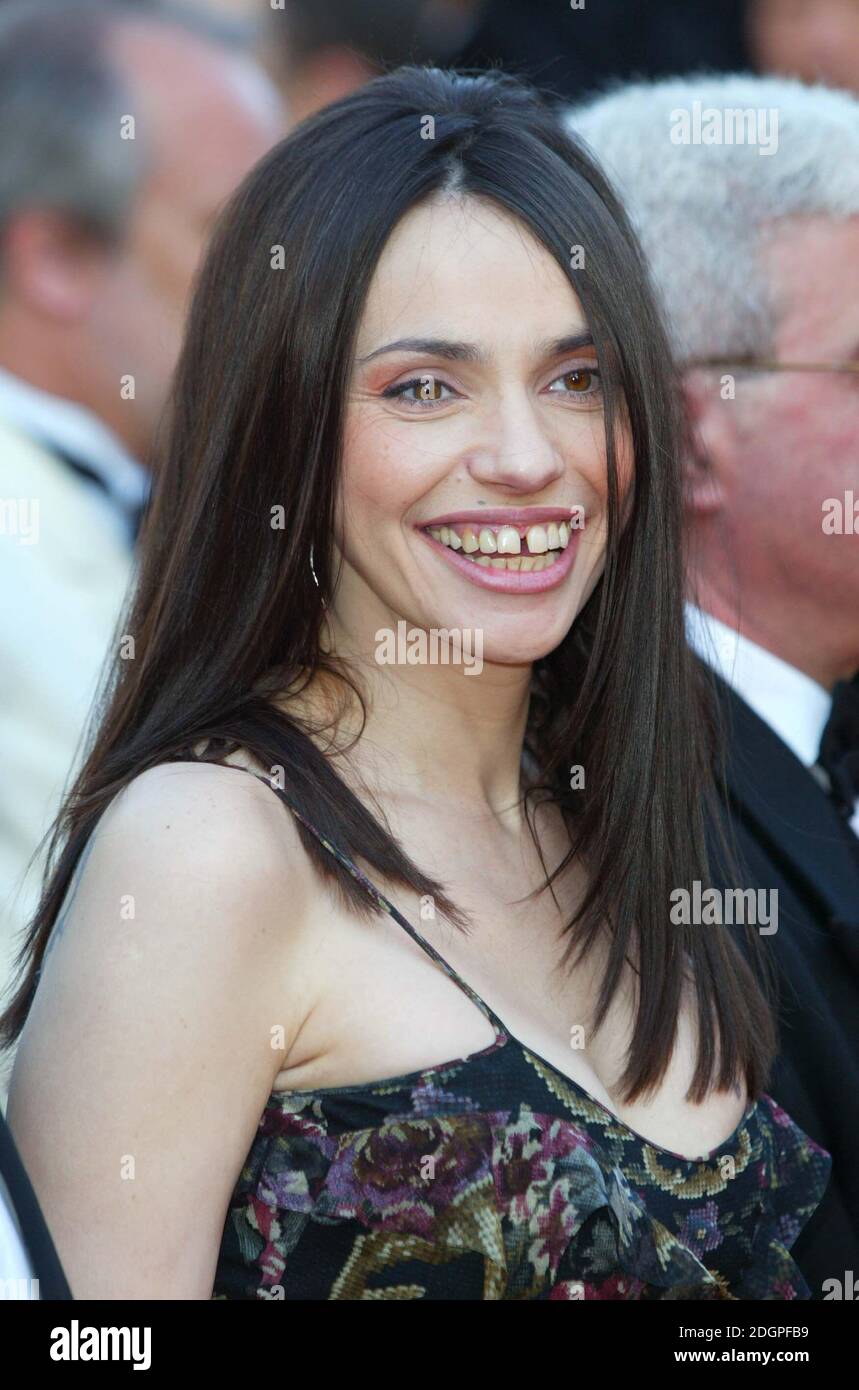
[(100, 237), (320, 51)]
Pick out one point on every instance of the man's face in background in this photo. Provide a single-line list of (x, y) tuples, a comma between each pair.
[(206, 119), (786, 443)]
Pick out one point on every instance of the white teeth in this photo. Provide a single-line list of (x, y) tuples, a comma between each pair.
[(508, 541), (488, 546), (520, 563)]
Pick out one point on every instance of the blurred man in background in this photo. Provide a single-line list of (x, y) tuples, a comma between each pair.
[(321, 51), (754, 249), (816, 40), (122, 132)]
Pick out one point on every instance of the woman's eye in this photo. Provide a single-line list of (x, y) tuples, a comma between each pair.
[(420, 391), (579, 381)]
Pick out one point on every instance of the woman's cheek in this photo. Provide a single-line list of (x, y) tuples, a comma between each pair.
[(378, 486), (370, 455)]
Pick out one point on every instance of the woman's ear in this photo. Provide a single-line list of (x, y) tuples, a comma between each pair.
[(707, 465)]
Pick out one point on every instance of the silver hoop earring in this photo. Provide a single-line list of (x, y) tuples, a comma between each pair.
[(315, 580)]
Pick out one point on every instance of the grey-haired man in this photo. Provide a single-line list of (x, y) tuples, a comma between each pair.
[(745, 194)]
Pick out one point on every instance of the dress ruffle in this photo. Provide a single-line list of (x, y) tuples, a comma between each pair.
[(527, 1205)]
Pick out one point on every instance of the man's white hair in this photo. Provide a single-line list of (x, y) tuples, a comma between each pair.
[(704, 212)]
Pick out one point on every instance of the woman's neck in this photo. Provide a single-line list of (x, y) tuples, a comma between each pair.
[(431, 733)]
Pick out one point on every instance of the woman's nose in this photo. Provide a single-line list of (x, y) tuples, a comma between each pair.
[(516, 451)]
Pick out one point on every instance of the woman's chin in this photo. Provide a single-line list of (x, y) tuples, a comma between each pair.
[(472, 645)]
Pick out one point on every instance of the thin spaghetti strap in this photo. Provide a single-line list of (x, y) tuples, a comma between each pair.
[(501, 1032)]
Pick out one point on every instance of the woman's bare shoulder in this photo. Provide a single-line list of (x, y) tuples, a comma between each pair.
[(209, 811), (209, 847)]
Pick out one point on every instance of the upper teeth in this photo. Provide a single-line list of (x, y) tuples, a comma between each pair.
[(503, 540)]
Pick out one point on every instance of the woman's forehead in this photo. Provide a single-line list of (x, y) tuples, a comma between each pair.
[(460, 267)]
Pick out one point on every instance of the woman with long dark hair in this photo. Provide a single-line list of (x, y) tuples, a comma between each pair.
[(406, 647)]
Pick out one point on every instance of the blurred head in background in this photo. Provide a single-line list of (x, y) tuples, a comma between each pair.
[(322, 50), (755, 255), (816, 40), (123, 129)]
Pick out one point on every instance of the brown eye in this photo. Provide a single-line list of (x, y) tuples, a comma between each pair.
[(430, 389), (421, 391), (580, 380)]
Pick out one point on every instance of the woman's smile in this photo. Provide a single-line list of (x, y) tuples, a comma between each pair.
[(512, 551)]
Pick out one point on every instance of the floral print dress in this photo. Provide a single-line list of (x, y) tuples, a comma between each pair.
[(495, 1176)]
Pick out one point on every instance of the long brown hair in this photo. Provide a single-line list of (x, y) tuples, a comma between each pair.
[(226, 614)]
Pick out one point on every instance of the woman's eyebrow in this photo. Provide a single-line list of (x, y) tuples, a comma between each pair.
[(559, 347), (472, 352), (434, 347)]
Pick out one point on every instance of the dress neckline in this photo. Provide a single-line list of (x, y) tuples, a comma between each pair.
[(503, 1035), (414, 1078)]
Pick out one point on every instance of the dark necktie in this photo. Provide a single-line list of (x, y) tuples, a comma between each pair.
[(839, 747), (134, 515)]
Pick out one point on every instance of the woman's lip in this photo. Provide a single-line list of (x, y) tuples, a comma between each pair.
[(504, 516), (510, 581)]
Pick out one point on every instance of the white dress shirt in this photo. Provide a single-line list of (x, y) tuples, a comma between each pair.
[(62, 424), (794, 706), (65, 573)]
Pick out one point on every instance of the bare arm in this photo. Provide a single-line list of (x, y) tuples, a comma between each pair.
[(147, 1058)]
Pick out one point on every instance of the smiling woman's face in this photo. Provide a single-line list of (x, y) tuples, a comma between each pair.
[(474, 437)]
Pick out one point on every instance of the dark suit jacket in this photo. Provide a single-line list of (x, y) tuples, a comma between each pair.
[(36, 1237), (789, 837), (575, 54)]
